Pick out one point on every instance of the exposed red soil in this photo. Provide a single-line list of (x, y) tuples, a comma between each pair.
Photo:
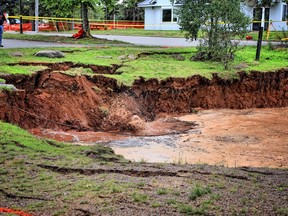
[(49, 102), (58, 101)]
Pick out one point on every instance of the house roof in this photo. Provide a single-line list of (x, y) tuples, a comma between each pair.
[(147, 3), (151, 3)]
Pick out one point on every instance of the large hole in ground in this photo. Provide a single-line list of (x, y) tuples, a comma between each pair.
[(148, 114)]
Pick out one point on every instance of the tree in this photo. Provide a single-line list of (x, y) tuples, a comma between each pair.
[(129, 10), (66, 8), (219, 21), (109, 8)]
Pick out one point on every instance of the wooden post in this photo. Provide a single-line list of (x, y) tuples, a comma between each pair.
[(260, 35), (20, 12)]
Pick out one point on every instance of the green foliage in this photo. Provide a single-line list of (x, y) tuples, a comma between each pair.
[(128, 10), (189, 210), (199, 191), (162, 191), (138, 197), (221, 21), (6, 88)]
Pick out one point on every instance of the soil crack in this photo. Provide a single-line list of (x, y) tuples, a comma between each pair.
[(136, 173), (14, 196)]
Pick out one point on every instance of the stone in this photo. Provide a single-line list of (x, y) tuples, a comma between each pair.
[(241, 66), (122, 57), (104, 57), (132, 57), (178, 57), (50, 54), (16, 54)]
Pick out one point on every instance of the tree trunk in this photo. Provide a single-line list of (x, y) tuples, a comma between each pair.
[(85, 24)]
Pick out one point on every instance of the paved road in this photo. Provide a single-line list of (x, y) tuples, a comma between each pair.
[(137, 40)]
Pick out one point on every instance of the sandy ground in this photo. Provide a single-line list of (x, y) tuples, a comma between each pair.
[(253, 137), (232, 138)]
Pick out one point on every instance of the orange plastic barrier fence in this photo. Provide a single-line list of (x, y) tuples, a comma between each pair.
[(17, 212), (63, 26)]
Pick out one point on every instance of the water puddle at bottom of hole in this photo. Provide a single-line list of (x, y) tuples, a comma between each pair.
[(161, 149), (254, 137)]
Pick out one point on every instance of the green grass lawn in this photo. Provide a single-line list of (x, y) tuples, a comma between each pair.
[(142, 32), (158, 64), (59, 39)]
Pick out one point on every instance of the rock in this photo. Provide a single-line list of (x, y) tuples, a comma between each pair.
[(16, 54), (104, 57), (132, 57), (241, 66), (178, 57), (122, 57), (50, 54)]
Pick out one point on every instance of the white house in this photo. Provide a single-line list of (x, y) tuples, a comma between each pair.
[(160, 14)]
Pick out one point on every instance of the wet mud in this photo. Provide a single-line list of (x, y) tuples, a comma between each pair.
[(91, 109)]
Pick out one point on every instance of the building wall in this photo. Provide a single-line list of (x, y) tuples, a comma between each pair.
[(153, 19), (276, 15), (153, 16), (248, 11)]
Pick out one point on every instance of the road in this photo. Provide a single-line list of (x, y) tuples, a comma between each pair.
[(136, 40)]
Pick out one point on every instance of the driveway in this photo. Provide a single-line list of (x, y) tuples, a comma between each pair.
[(136, 40)]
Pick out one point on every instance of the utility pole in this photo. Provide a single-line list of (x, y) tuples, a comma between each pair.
[(260, 35), (21, 21), (36, 15)]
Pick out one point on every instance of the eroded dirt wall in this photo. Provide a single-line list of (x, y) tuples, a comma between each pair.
[(182, 95), (55, 100)]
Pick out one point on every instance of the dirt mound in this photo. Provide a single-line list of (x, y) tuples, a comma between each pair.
[(58, 101)]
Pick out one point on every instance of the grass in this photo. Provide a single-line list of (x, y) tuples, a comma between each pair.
[(199, 191), (162, 191), (63, 192), (158, 64), (273, 36), (140, 197), (60, 39), (142, 32)]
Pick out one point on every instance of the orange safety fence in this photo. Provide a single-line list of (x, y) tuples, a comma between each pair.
[(17, 212), (64, 26)]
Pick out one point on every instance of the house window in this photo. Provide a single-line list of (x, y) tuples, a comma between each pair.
[(169, 15), (166, 15), (175, 15), (285, 13)]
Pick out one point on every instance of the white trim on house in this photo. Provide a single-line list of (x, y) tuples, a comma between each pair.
[(154, 15)]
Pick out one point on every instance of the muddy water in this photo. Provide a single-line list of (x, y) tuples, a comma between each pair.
[(253, 137), (250, 137)]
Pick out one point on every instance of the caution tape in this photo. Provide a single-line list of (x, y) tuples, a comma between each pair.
[(114, 23)]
